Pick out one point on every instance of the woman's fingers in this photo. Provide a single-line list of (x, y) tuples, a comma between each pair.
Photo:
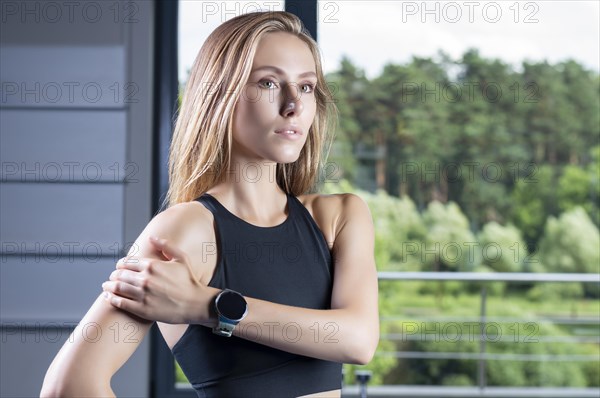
[(124, 275), (132, 263), (124, 290), (131, 306), (126, 283), (169, 251)]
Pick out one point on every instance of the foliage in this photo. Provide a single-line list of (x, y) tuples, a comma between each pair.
[(502, 247), (453, 345), (533, 199), (397, 219), (505, 144), (180, 377), (448, 240), (570, 244), (578, 186)]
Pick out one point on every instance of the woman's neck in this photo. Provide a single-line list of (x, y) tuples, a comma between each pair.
[(252, 193)]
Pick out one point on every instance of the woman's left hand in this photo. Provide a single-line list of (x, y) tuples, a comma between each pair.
[(162, 289)]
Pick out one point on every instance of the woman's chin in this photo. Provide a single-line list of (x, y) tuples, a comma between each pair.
[(287, 158), (290, 159)]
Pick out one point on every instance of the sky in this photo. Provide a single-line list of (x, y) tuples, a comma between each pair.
[(373, 33)]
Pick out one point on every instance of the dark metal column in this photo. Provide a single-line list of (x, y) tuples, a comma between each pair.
[(166, 88), (306, 10)]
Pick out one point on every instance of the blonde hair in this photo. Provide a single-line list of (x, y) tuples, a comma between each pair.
[(200, 152)]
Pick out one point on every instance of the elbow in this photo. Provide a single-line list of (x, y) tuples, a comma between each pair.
[(51, 390), (58, 386), (362, 356), (363, 349), (47, 392), (57, 391), (52, 386), (50, 393)]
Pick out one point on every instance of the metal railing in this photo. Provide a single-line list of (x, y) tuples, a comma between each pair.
[(482, 389)]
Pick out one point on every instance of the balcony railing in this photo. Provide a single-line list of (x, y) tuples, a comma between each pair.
[(482, 357)]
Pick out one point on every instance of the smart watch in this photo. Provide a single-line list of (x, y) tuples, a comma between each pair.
[(231, 308)]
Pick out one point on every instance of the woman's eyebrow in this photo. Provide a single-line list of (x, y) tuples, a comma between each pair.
[(280, 71)]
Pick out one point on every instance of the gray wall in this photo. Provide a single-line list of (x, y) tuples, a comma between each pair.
[(75, 127)]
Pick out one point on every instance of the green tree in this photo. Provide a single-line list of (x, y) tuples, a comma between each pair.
[(503, 248), (489, 115), (533, 200), (398, 222), (345, 87), (579, 186), (570, 244), (574, 188), (448, 240)]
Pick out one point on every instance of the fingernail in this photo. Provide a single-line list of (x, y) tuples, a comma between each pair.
[(154, 238), (106, 296)]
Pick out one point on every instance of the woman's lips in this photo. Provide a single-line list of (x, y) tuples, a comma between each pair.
[(289, 133)]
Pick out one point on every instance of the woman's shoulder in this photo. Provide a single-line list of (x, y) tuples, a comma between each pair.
[(188, 226), (331, 211), (184, 224), (335, 203), (190, 209)]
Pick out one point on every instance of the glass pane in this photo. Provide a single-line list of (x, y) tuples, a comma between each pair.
[(469, 128)]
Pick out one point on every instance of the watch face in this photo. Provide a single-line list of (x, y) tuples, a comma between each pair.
[(231, 305)]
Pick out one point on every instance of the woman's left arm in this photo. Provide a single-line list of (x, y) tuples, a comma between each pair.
[(347, 333)]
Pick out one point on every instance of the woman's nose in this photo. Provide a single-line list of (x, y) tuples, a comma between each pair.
[(292, 103)]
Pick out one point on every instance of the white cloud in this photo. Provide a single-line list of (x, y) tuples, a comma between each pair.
[(372, 33)]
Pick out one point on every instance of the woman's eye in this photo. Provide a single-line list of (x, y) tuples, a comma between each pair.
[(308, 88), (267, 84)]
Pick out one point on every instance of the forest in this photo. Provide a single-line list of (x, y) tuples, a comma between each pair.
[(474, 165)]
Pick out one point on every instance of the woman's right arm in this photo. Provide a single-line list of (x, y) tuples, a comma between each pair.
[(100, 344), (106, 336)]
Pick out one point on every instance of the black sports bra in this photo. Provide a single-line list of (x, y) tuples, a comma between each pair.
[(290, 264)]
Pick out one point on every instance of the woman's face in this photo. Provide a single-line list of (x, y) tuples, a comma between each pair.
[(278, 97)]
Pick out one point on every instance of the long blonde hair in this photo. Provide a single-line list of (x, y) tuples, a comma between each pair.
[(200, 152)]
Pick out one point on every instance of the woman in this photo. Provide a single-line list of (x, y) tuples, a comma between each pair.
[(258, 287)]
